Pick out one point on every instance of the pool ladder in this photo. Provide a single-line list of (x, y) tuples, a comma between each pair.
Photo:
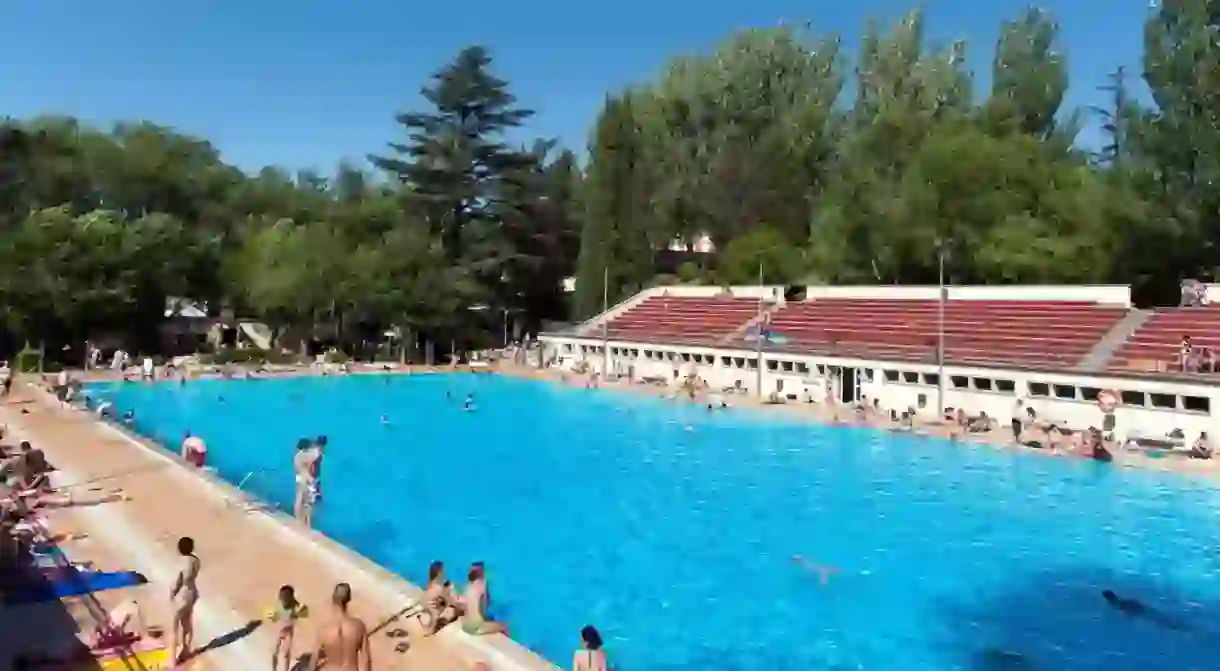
[(248, 501)]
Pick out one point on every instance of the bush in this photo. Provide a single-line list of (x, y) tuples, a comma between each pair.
[(336, 356), (247, 355)]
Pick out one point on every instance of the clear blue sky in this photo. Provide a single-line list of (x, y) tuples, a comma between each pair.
[(306, 83)]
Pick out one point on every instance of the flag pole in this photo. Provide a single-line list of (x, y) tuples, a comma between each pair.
[(759, 335)]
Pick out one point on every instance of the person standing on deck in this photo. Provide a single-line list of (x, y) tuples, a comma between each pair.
[(343, 642)]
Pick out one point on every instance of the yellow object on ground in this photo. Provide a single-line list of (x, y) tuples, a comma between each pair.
[(152, 660), (156, 659)]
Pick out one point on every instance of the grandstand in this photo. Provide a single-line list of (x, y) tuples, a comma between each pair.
[(1155, 345), (1058, 345)]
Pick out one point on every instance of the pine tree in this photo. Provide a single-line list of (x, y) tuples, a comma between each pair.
[(455, 158)]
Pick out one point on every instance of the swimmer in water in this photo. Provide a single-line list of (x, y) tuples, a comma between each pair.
[(385, 419), (821, 570), (1137, 608), (469, 405)]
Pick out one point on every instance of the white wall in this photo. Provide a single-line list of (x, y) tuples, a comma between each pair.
[(1116, 295), (1040, 390)]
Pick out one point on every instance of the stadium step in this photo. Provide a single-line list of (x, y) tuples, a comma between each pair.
[(1099, 357)]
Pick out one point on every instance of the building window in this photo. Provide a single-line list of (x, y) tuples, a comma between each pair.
[(910, 378), (772, 365), (1039, 389), (891, 375), (1133, 398), (1196, 403), (802, 368), (1066, 391), (959, 381), (787, 366), (931, 379), (1167, 401), (982, 383), (1006, 386)]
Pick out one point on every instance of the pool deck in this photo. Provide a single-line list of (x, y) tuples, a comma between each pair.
[(246, 553), (997, 438)]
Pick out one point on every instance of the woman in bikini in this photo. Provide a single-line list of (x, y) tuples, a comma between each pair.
[(183, 597), (474, 619), (590, 657), (440, 602)]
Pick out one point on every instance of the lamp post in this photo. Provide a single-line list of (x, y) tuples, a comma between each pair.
[(605, 321), (761, 333), (940, 331)]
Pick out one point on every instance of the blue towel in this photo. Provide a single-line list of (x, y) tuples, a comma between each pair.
[(71, 583)]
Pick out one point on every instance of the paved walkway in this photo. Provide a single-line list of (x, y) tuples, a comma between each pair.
[(246, 554)]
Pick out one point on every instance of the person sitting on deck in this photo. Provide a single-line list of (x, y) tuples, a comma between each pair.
[(1202, 449), (1185, 352), (441, 604), (475, 620)]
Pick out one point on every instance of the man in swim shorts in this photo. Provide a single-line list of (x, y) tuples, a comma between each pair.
[(343, 641)]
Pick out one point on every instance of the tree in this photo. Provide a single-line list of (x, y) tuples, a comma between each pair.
[(1029, 76), (763, 254), (455, 156), (614, 241), (1175, 162)]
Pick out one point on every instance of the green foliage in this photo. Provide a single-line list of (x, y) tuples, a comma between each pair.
[(754, 146), (762, 254), (247, 355)]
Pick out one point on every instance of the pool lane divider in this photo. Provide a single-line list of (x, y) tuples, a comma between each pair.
[(132, 546), (376, 581)]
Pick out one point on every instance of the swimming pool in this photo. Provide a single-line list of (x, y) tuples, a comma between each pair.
[(603, 507)]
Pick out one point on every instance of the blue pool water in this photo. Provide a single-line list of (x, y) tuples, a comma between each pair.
[(603, 507)]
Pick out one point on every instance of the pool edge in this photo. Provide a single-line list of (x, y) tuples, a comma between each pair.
[(503, 651)]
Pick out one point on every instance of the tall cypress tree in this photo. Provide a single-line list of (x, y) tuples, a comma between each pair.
[(614, 239)]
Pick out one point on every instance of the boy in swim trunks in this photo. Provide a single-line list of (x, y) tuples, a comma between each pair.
[(284, 615)]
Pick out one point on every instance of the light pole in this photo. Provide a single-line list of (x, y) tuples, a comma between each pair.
[(605, 321), (940, 332), (760, 334)]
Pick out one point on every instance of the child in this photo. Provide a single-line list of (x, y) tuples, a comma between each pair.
[(285, 614)]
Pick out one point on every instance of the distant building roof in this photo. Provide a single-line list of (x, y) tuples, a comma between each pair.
[(185, 307)]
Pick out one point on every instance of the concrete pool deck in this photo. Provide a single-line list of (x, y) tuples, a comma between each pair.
[(818, 413), (246, 552)]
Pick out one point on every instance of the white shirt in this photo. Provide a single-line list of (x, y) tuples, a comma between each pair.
[(62, 378)]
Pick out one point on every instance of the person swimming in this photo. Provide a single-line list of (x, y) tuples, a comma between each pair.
[(1137, 608), (821, 570), (469, 404)]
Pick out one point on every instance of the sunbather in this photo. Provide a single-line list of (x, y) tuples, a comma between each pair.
[(475, 620), (441, 603), (122, 625)]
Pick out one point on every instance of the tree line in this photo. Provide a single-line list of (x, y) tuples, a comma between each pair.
[(809, 166), (451, 233), (798, 163)]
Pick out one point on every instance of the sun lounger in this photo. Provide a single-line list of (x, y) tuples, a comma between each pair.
[(146, 655), (40, 585)]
